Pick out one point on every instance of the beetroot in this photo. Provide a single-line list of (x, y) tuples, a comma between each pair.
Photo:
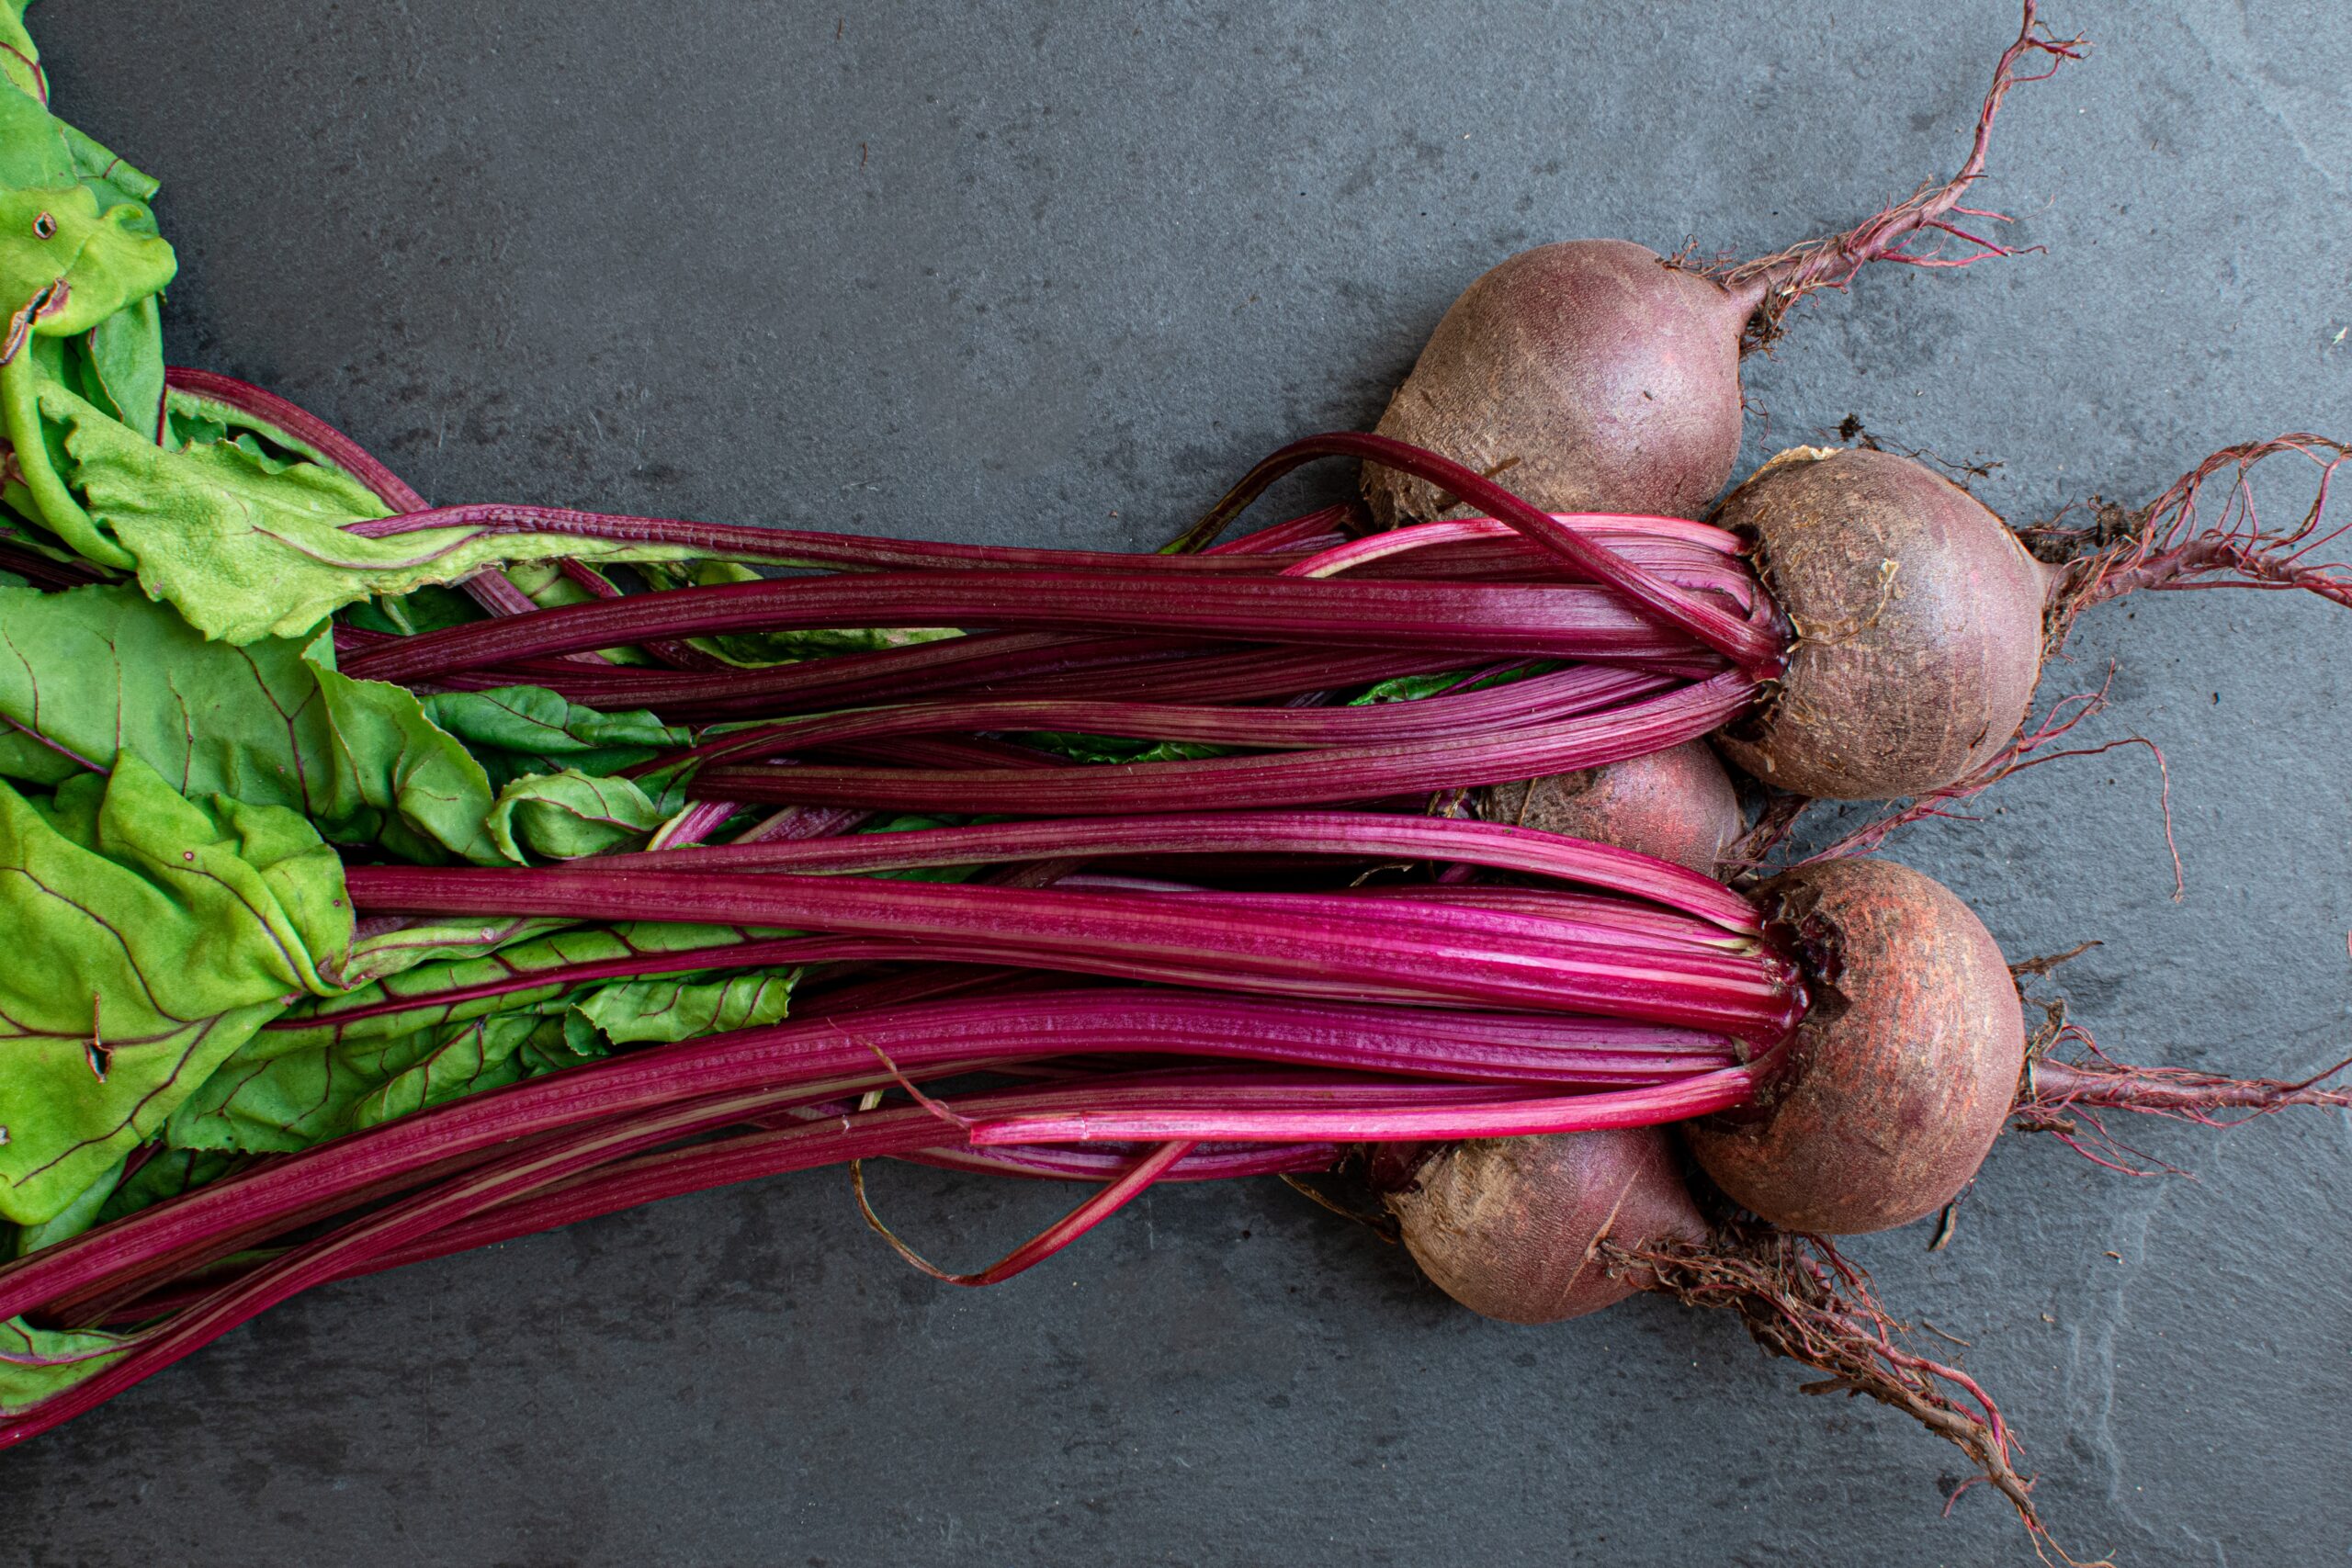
[(1891, 1091), (1591, 375), (1917, 621), (1678, 805), (1509, 1227), (1603, 377)]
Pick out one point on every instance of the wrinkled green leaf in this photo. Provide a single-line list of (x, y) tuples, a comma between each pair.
[(324, 1074), (295, 1098), (488, 1053), (36, 1363), (570, 815), (322, 1069), (426, 989), (247, 547), (97, 673), (102, 243), (147, 937), (671, 1008), (517, 731), (76, 1216)]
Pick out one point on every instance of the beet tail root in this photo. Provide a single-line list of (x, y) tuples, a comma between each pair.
[(1777, 282), (2166, 546), (2055, 1092), (1799, 1297)]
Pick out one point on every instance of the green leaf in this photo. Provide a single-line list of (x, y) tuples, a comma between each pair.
[(76, 1216), (167, 1174), (299, 1098), (572, 815), (419, 609), (671, 1008), (246, 545), (517, 731), (99, 238), (320, 1070), (94, 674), (37, 1363), (147, 937), (488, 1053), (19, 61)]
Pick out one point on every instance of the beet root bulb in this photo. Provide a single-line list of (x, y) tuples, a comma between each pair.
[(1678, 805), (1890, 1093), (1511, 1227), (1589, 376), (1917, 622)]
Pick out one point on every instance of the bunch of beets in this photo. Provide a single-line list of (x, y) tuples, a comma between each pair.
[(384, 880)]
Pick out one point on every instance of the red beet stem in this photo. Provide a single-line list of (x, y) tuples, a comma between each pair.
[(42, 571), (1110, 933), (1334, 774), (1562, 693), (1563, 621), (1371, 835), (1754, 646), (818, 1058), (1099, 1206), (1293, 1117)]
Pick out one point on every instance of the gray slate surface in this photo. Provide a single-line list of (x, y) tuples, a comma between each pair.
[(1056, 272)]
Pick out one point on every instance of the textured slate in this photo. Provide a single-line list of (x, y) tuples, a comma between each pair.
[(1057, 273)]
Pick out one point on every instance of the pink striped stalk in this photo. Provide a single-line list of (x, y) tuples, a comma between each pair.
[(1041, 663), (826, 1057), (1559, 694), (1575, 621), (671, 651), (1335, 773), (1495, 846), (1463, 959), (1756, 645), (1290, 1112), (694, 824)]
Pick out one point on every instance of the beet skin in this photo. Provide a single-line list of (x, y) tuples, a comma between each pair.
[(1903, 1071), (1678, 805), (1917, 626), (1587, 376), (1506, 1226)]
